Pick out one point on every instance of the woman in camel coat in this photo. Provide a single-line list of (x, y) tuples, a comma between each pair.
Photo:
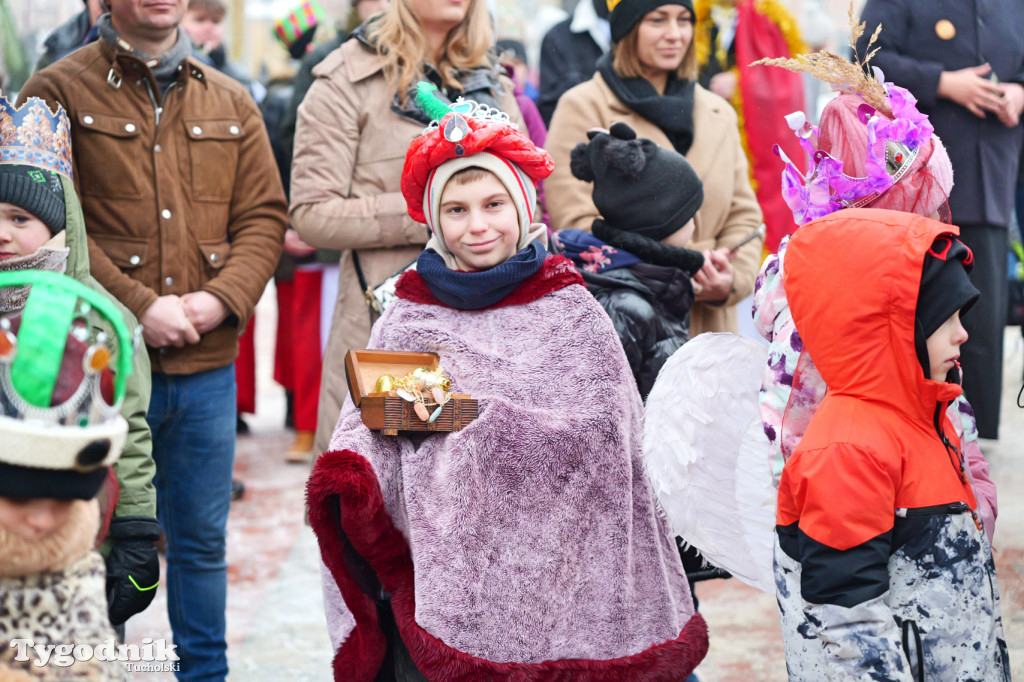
[(350, 143), (652, 69)]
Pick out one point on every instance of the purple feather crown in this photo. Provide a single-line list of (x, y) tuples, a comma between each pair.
[(891, 149), (32, 135)]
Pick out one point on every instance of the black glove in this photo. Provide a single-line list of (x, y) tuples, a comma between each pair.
[(133, 568)]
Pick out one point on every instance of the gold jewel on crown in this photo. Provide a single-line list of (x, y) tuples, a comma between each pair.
[(32, 135)]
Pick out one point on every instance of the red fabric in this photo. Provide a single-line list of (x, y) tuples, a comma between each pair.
[(108, 496), (872, 446), (769, 95), (430, 150), (344, 486), (556, 273), (348, 476), (245, 369), (304, 347), (297, 356), (284, 369)]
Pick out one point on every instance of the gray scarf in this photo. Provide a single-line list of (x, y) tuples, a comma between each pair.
[(166, 69), (53, 259)]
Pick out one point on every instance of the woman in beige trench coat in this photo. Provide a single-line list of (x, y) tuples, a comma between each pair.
[(647, 82), (350, 142)]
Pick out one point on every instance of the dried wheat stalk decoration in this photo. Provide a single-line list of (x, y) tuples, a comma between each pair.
[(841, 74)]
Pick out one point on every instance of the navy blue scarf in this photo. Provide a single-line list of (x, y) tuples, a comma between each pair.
[(476, 290)]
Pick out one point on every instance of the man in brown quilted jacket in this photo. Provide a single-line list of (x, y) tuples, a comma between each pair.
[(185, 216)]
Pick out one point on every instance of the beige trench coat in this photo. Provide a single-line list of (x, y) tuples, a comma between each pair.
[(345, 194), (729, 211)]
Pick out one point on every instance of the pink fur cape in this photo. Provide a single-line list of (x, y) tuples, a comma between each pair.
[(527, 546)]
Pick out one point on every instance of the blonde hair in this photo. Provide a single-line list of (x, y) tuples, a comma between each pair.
[(402, 45), (627, 62)]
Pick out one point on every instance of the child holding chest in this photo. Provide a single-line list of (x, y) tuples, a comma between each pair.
[(527, 543)]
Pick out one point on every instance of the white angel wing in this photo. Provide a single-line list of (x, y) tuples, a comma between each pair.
[(707, 456)]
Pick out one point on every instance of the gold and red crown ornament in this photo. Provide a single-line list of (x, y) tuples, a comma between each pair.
[(459, 130), (32, 135)]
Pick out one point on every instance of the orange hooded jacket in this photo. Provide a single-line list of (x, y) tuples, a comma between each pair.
[(880, 440)]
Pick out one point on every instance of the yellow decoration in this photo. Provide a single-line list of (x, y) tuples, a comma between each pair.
[(612, 4), (99, 359), (945, 29), (385, 384)]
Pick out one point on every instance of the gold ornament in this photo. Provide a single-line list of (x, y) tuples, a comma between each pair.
[(425, 388), (945, 29), (385, 384)]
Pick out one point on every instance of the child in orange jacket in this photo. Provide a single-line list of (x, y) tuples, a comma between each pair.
[(881, 562)]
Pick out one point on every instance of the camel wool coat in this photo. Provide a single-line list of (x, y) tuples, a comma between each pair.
[(345, 194), (729, 211)]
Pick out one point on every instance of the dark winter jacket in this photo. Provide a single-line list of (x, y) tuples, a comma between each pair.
[(882, 566), (649, 306), (984, 152), (567, 58), (66, 38)]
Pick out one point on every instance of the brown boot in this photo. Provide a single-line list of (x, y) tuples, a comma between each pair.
[(302, 449)]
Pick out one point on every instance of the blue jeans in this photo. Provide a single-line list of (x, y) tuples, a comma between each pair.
[(192, 417)]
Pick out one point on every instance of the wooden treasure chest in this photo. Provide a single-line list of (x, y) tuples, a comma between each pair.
[(387, 411)]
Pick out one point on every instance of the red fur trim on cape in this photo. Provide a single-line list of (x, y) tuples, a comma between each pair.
[(556, 273), (346, 506)]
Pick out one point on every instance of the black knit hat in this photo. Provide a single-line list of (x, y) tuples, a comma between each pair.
[(625, 14), (945, 289), (638, 186), (36, 190), (644, 194), (945, 286)]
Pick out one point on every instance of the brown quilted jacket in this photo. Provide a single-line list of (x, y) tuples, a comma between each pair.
[(185, 200)]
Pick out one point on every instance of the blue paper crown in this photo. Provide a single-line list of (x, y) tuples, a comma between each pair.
[(32, 135)]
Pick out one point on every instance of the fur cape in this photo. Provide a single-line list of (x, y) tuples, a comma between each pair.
[(527, 546)]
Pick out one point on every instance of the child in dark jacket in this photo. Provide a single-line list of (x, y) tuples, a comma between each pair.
[(882, 565), (633, 260)]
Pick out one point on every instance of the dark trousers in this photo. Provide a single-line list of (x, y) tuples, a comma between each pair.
[(398, 665), (982, 356)]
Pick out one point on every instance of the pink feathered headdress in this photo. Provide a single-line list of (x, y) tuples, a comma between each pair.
[(862, 156)]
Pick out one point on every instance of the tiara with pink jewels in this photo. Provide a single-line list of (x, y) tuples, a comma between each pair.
[(32, 135), (892, 147)]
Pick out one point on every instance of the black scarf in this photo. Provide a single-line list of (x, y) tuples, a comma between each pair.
[(672, 112), (476, 290)]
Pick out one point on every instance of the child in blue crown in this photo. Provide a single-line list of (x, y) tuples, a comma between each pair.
[(42, 228)]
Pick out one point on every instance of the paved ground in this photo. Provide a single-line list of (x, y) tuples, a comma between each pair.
[(276, 629)]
